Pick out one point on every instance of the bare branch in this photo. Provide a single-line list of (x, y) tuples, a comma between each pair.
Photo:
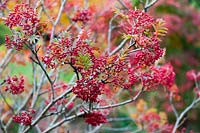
[(5, 60), (123, 4), (35, 87), (57, 19), (172, 105), (2, 127), (122, 103), (34, 52), (21, 107), (96, 129), (118, 48), (4, 99), (178, 120), (110, 31), (149, 4), (63, 121), (45, 11), (47, 108)]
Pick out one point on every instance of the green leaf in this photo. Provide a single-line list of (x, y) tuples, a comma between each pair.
[(25, 70), (135, 3), (4, 30), (33, 39), (84, 61), (168, 9), (66, 77), (195, 3)]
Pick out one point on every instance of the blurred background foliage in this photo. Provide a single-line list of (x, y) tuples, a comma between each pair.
[(182, 45), (182, 50)]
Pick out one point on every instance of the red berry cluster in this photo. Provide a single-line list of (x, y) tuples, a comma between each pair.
[(149, 53), (82, 16), (95, 71), (25, 17), (68, 50), (88, 89), (24, 118), (15, 41), (139, 25), (95, 118), (152, 77), (15, 85), (132, 78), (137, 22), (161, 75), (23, 21), (80, 55), (103, 70), (58, 52)]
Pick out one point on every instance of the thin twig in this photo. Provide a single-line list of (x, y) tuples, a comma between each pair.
[(172, 105), (57, 19), (123, 4), (118, 48), (45, 11), (178, 120), (20, 108), (35, 94), (5, 60), (122, 103), (46, 109), (75, 70), (148, 5), (4, 99), (35, 53), (2, 126), (63, 121), (110, 32)]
